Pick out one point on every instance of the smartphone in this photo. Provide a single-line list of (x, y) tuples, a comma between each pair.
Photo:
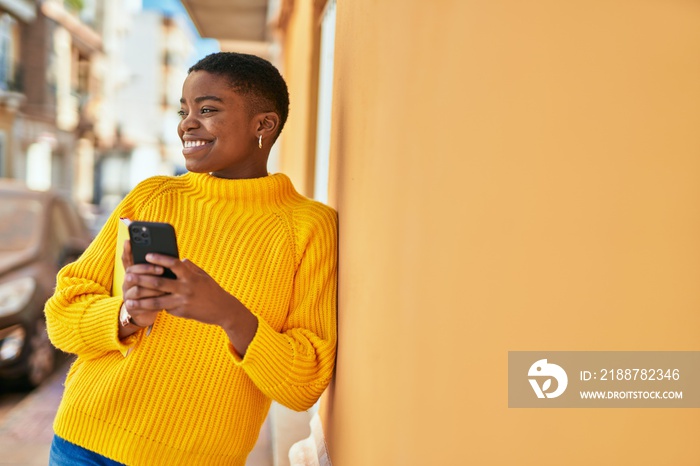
[(156, 237)]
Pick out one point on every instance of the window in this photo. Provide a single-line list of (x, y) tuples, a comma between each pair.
[(24, 230), (60, 232), (325, 100), (3, 156), (39, 164), (6, 52)]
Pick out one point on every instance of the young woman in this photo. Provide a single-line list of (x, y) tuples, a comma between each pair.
[(182, 371)]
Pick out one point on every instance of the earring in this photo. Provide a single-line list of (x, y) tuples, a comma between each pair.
[(260, 141)]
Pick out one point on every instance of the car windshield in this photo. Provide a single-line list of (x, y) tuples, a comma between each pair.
[(20, 223)]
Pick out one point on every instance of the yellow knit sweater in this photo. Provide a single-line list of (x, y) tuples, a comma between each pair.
[(182, 396)]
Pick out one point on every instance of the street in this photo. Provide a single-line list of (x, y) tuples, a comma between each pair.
[(26, 422), (9, 400)]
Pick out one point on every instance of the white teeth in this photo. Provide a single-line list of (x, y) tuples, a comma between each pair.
[(194, 143)]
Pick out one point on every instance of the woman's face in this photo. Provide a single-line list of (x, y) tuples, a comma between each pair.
[(218, 133)]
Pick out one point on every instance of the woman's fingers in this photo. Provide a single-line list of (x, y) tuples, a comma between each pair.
[(193, 294), (144, 269), (166, 301), (137, 292), (181, 268), (127, 258), (152, 282)]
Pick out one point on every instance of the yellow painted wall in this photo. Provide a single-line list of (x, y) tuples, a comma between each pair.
[(511, 175), (300, 70)]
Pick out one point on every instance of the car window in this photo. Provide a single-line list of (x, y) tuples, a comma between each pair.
[(20, 223), (60, 232), (72, 217)]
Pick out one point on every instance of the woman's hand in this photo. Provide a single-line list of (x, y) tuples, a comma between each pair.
[(130, 290), (193, 295)]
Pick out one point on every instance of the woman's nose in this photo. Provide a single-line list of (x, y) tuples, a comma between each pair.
[(188, 121)]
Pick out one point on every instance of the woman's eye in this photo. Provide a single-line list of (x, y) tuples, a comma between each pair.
[(183, 114)]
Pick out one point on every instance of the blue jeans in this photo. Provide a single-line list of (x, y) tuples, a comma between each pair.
[(64, 453)]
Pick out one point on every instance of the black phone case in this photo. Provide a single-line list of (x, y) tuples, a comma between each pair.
[(153, 237)]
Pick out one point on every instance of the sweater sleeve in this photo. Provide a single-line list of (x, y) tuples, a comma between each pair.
[(294, 366), (82, 316)]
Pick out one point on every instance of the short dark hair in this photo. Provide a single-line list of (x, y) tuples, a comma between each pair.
[(252, 77)]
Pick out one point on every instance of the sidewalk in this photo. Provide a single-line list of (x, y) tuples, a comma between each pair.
[(26, 432)]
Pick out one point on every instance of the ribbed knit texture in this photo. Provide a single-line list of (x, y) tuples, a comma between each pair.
[(183, 396)]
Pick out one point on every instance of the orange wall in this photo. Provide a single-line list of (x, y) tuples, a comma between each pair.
[(511, 176)]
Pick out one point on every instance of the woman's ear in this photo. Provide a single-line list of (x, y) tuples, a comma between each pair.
[(268, 124)]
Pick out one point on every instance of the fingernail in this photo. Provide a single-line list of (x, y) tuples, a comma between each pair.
[(149, 257), (159, 270), (130, 303), (129, 277)]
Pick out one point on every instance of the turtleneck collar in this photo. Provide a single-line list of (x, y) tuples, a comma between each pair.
[(270, 189)]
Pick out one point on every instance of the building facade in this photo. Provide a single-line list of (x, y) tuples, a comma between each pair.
[(52, 89), (89, 93), (156, 50), (12, 15)]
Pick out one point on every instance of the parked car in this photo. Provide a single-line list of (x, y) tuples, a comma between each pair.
[(40, 231)]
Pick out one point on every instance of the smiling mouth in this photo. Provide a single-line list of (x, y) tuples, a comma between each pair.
[(189, 144), (189, 147)]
